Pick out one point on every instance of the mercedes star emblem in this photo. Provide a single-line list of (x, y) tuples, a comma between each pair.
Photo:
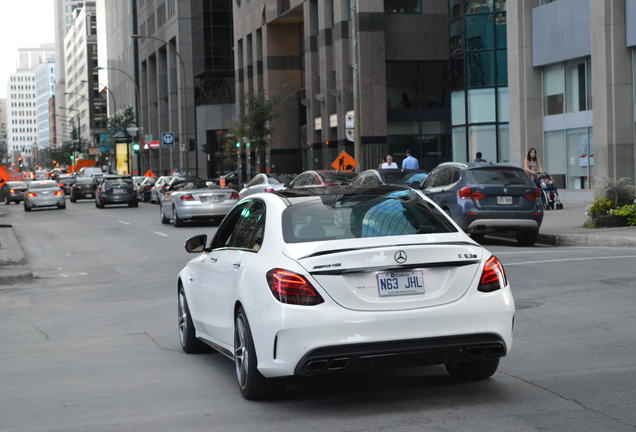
[(400, 257)]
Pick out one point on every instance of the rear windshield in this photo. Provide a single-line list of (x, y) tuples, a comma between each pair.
[(337, 217), (118, 182), (42, 185), (86, 180), (17, 184), (338, 177), (399, 177), (66, 179), (498, 176), (189, 185)]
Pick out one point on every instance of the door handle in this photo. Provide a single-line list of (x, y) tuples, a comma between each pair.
[(236, 265), (213, 259)]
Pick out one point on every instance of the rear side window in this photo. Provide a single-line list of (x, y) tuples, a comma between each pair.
[(118, 182), (338, 177), (356, 216), (498, 176)]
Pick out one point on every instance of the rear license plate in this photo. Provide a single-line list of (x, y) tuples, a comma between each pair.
[(89, 195), (504, 200), (400, 283), (211, 198), (118, 191)]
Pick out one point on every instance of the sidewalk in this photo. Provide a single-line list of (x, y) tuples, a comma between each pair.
[(13, 262), (565, 227)]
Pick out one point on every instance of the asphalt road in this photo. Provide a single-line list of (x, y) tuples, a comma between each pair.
[(91, 345)]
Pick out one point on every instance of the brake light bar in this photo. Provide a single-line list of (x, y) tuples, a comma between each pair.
[(234, 195), (468, 193), (268, 190), (58, 193), (187, 197), (493, 277), (291, 288), (60, 184)]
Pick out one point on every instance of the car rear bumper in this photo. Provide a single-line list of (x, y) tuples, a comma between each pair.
[(326, 338), (498, 224), (117, 199), (48, 202), (404, 353), (203, 211)]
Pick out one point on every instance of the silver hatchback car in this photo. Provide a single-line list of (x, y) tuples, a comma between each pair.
[(44, 193)]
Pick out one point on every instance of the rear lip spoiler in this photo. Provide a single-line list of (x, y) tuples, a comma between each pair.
[(329, 252), (396, 268)]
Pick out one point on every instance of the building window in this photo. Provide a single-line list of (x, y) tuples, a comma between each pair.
[(416, 84), (403, 6), (566, 87), (161, 15), (569, 157)]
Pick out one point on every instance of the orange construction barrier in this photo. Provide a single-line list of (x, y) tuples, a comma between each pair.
[(150, 174), (222, 181)]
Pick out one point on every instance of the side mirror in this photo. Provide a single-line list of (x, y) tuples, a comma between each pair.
[(196, 244)]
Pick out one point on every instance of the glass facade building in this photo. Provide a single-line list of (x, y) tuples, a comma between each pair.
[(479, 79)]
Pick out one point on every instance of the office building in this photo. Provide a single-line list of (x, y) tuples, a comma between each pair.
[(186, 80), (85, 104), (298, 52), (21, 115), (3, 130), (44, 90), (571, 85), (63, 11)]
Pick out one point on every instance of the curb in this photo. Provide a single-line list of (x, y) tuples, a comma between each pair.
[(585, 240), (13, 274)]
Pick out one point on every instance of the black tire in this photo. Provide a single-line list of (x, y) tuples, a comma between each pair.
[(26, 208), (135, 204), (474, 370), (176, 221), (252, 384), (189, 343), (73, 199), (61, 207), (527, 238), (162, 216), (8, 201), (100, 205)]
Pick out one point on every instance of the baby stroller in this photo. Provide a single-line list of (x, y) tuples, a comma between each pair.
[(549, 193)]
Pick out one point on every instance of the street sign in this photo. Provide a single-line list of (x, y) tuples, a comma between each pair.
[(350, 134), (344, 162), (349, 120), (154, 144), (167, 139)]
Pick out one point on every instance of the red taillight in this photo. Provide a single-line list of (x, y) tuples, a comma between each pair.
[(291, 288), (32, 195), (493, 277), (534, 195), (187, 197), (268, 190), (164, 187), (58, 193), (234, 195), (60, 184), (11, 190), (468, 193)]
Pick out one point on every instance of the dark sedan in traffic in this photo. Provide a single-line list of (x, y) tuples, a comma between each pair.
[(84, 188), (13, 191), (116, 190)]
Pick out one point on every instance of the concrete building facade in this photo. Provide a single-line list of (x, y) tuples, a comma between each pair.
[(298, 52), (572, 75), (44, 90), (21, 115), (63, 14), (3, 130), (185, 62), (85, 104)]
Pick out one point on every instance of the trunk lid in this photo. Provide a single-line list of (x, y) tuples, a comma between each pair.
[(442, 267)]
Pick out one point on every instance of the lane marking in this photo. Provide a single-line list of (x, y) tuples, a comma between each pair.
[(570, 259), (123, 221), (161, 234)]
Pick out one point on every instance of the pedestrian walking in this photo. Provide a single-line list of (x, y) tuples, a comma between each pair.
[(410, 162), (389, 164), (479, 158)]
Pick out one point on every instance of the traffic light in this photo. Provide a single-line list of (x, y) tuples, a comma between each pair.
[(72, 157), (238, 145), (135, 147)]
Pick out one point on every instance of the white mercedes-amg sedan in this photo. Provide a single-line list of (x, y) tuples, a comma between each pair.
[(332, 280)]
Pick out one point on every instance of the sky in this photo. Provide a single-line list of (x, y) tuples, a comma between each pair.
[(23, 24)]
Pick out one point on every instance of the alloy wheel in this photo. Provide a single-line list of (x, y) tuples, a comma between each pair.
[(183, 318), (241, 358)]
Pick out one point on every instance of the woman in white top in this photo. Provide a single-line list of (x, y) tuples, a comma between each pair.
[(389, 164)]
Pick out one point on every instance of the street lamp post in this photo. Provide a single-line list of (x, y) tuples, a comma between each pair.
[(185, 96)]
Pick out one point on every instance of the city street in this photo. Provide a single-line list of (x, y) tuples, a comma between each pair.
[(91, 344)]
